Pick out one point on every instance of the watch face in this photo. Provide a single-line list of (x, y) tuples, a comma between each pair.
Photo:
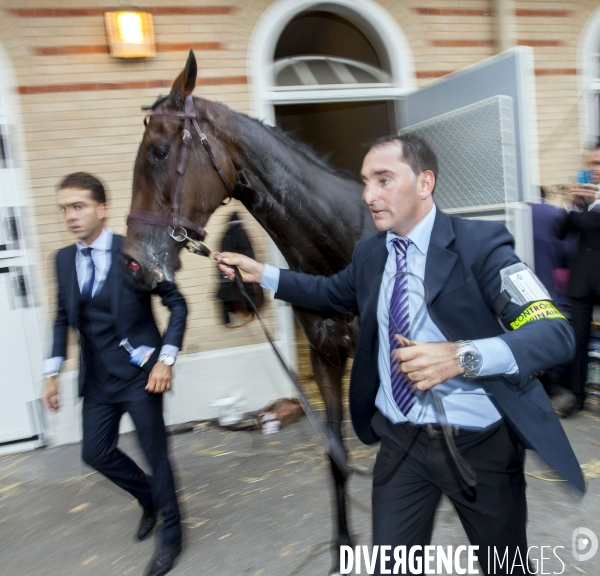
[(471, 362), (167, 360)]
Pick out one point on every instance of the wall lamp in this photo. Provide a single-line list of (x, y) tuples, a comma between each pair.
[(130, 34)]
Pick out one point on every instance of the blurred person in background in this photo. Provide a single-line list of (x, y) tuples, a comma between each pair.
[(96, 298), (236, 240), (550, 252), (551, 255), (583, 217)]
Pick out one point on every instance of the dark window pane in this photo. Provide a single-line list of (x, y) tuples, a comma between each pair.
[(323, 72), (287, 77), (362, 76)]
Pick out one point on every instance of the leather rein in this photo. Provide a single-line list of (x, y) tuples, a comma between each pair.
[(179, 225)]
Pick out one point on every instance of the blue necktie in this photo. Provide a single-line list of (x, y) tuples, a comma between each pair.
[(90, 274), (399, 323)]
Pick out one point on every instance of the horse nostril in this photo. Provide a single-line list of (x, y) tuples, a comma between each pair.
[(133, 265)]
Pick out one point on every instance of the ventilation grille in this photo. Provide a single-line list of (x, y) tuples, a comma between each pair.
[(475, 146)]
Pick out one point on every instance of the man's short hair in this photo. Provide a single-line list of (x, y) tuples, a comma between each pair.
[(415, 152), (85, 181)]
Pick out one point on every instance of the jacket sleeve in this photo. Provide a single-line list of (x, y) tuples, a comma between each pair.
[(326, 294), (61, 322), (175, 302), (537, 345)]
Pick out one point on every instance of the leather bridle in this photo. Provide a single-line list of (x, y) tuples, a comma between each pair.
[(179, 225)]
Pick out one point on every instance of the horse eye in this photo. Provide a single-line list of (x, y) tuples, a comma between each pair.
[(159, 153)]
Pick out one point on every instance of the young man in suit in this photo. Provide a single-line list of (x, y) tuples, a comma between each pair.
[(489, 401), (96, 298), (584, 282)]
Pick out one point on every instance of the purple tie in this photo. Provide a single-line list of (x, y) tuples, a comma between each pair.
[(399, 323)]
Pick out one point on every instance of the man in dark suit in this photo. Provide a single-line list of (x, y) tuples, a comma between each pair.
[(584, 282), (421, 372), (96, 298)]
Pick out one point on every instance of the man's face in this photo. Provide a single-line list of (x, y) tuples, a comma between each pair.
[(393, 192), (83, 215), (594, 164)]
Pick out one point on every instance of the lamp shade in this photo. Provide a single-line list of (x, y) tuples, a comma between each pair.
[(130, 34)]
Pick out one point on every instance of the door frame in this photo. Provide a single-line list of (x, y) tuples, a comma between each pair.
[(379, 25), (588, 81)]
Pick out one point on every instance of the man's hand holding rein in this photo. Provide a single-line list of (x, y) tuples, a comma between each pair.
[(251, 270), (428, 364)]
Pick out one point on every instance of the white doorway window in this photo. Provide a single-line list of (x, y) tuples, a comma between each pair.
[(308, 72), (353, 51)]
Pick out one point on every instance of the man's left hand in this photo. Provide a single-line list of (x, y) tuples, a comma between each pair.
[(428, 364), (159, 380)]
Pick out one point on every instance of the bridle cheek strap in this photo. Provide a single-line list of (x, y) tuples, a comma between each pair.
[(176, 222)]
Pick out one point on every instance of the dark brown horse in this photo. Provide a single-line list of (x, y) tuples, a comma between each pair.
[(314, 214)]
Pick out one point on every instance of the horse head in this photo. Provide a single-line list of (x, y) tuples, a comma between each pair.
[(172, 198)]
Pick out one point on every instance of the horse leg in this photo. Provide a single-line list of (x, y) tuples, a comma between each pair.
[(329, 379)]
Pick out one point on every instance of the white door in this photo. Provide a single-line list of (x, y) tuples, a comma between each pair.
[(20, 350)]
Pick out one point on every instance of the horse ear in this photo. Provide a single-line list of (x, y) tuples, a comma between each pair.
[(185, 83)]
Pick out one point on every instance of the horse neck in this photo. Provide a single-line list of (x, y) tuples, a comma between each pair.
[(314, 215)]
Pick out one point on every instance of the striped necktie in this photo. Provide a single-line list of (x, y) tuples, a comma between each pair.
[(399, 322), (90, 274)]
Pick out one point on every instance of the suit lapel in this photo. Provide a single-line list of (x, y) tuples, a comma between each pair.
[(373, 267), (440, 260), (113, 280)]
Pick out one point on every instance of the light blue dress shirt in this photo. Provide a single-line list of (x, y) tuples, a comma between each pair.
[(102, 257), (465, 401)]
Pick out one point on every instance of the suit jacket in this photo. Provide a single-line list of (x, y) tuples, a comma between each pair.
[(585, 272), (463, 278), (130, 310)]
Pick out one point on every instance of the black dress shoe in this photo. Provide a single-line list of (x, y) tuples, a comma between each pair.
[(572, 409), (147, 522), (163, 560)]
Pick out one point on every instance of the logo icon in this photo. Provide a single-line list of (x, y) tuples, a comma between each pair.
[(584, 544)]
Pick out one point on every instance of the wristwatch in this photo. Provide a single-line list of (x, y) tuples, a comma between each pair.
[(167, 359), (469, 358)]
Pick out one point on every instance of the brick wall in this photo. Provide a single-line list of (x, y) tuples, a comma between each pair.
[(81, 111), (81, 108)]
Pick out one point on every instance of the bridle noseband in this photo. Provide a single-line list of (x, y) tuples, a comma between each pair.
[(179, 226)]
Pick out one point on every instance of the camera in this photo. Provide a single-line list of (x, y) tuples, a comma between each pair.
[(584, 176)]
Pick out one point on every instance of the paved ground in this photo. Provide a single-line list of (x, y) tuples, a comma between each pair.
[(254, 505)]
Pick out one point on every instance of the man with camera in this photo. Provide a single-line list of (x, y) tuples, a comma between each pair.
[(583, 218)]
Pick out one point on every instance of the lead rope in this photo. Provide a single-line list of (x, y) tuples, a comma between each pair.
[(331, 443)]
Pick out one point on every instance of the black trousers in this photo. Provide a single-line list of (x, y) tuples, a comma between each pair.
[(493, 512), (101, 417), (582, 311)]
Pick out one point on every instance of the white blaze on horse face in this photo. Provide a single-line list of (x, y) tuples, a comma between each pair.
[(83, 215), (394, 193)]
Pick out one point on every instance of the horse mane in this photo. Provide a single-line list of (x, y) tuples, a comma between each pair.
[(305, 149), (156, 104)]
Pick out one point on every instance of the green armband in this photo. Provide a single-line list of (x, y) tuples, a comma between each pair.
[(541, 310)]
